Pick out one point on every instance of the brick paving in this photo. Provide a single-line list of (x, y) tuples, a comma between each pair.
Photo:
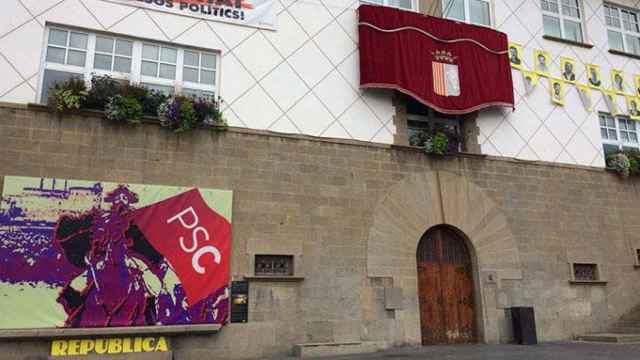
[(547, 351)]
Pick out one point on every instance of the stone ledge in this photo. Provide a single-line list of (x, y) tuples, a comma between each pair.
[(587, 282), (131, 356), (314, 350), (25, 334), (356, 143), (275, 278)]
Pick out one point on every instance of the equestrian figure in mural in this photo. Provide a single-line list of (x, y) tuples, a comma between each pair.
[(120, 268)]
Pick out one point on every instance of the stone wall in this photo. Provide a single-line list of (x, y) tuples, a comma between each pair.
[(352, 214)]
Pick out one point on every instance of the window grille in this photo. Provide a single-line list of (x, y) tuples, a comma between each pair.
[(585, 272), (274, 265)]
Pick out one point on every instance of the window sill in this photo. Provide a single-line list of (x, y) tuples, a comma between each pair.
[(275, 278), (568, 42), (60, 333), (587, 282), (146, 119), (623, 53)]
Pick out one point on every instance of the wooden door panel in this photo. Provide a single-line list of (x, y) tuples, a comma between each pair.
[(451, 308), (445, 288), (432, 324)]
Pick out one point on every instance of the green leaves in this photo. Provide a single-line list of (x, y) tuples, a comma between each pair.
[(434, 141), (68, 96), (124, 109)]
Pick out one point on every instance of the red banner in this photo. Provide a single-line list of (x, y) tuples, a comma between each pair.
[(451, 67), (195, 240)]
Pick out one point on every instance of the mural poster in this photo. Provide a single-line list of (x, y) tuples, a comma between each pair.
[(79, 254)]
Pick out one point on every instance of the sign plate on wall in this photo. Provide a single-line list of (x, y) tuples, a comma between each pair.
[(254, 13), (110, 346)]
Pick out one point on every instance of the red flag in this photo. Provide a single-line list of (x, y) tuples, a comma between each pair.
[(195, 240), (452, 67)]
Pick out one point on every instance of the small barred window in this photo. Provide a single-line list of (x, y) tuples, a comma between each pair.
[(274, 265), (585, 272)]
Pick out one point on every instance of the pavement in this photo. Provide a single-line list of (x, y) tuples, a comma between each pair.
[(547, 351)]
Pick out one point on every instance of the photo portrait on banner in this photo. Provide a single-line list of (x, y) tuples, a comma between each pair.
[(636, 82), (568, 69), (557, 89), (633, 107), (541, 62), (617, 81), (530, 79), (584, 92), (594, 76), (610, 99), (86, 254), (515, 55)]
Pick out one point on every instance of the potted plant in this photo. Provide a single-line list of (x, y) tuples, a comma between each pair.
[(619, 163), (208, 112), (177, 114), (102, 89), (123, 109), (435, 140), (68, 96)]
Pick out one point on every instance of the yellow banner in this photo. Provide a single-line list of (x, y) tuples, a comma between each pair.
[(109, 346)]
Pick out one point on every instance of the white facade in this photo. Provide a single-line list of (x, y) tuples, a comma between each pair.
[(538, 129), (302, 77)]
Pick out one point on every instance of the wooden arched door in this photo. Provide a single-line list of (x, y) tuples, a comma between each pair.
[(445, 288)]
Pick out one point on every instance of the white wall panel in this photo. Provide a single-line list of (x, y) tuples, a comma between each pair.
[(303, 78)]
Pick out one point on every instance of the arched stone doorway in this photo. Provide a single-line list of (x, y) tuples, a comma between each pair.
[(425, 200), (445, 288)]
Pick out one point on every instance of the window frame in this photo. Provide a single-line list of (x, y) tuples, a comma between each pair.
[(561, 16), (135, 76), (622, 30), (433, 118), (467, 13), (67, 46), (288, 259), (415, 4), (619, 142), (113, 55), (596, 272)]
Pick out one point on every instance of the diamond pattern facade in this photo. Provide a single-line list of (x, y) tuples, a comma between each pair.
[(303, 78), (537, 129)]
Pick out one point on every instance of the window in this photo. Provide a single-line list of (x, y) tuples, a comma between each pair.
[(159, 61), (420, 118), (562, 19), (618, 133), (585, 272), (67, 47), (401, 4), (471, 11), (623, 30), (199, 73), (165, 68), (274, 265), (113, 54)]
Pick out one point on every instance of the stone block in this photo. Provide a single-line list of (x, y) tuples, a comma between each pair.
[(314, 350), (393, 299)]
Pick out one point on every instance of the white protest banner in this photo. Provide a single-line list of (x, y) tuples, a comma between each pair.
[(254, 13)]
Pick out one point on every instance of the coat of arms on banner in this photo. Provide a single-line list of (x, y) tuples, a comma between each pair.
[(446, 76)]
